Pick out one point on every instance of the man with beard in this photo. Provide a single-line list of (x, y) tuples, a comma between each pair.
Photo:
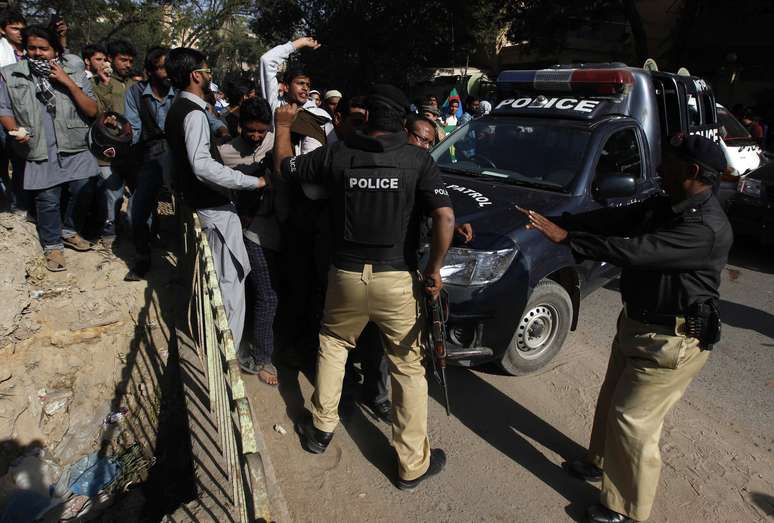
[(110, 86), (37, 95), (95, 58), (205, 183), (147, 105)]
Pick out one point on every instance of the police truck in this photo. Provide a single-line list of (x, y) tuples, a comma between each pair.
[(565, 139)]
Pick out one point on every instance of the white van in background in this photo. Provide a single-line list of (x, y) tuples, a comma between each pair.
[(743, 154)]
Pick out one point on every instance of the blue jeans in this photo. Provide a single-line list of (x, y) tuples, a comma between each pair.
[(112, 189), (51, 228), (145, 201)]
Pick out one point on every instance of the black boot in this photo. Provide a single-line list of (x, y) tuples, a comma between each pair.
[(437, 463), (313, 439), (602, 514)]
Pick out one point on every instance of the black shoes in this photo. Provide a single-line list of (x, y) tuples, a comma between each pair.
[(437, 463), (602, 514), (583, 470), (313, 439)]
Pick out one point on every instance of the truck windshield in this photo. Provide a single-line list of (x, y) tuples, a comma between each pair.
[(516, 151), (734, 128)]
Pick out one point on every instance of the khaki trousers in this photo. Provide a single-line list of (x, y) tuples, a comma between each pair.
[(391, 301), (650, 367)]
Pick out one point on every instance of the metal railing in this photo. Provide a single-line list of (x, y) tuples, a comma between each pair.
[(230, 407)]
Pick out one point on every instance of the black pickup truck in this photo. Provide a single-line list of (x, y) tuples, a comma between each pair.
[(566, 139)]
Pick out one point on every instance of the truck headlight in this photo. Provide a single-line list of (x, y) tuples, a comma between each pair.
[(750, 187), (472, 267)]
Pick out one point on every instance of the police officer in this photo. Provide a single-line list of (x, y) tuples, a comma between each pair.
[(672, 250), (379, 188)]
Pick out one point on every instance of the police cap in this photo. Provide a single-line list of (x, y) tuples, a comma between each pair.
[(703, 151)]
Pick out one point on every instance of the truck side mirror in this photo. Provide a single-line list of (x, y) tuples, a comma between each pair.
[(614, 186)]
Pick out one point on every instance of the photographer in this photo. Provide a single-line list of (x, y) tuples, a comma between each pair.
[(46, 104)]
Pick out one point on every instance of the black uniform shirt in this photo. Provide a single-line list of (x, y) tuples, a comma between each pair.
[(379, 187), (671, 256)]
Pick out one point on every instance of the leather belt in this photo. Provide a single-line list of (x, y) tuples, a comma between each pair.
[(375, 267), (653, 318)]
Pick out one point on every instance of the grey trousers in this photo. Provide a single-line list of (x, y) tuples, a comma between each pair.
[(224, 235)]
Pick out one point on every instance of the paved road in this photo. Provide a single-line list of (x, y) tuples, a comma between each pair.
[(508, 436)]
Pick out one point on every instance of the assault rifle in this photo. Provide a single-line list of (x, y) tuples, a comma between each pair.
[(436, 316)]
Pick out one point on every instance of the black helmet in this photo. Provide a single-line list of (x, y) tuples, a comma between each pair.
[(110, 136)]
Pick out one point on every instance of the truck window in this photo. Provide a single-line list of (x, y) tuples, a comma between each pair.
[(708, 109), (694, 118), (620, 156), (669, 106), (514, 150)]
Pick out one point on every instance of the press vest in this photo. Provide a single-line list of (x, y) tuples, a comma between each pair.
[(195, 193), (70, 126)]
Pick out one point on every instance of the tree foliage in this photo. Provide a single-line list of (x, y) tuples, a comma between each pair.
[(546, 24), (365, 41), (219, 27)]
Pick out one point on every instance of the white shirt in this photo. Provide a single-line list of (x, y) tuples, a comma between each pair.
[(197, 145)]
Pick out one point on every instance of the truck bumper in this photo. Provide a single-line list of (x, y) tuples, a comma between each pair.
[(482, 319)]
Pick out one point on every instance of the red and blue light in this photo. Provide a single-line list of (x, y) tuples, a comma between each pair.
[(603, 82)]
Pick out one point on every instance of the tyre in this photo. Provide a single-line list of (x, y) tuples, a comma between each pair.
[(541, 331)]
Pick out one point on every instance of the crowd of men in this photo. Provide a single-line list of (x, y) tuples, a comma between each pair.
[(78, 200), (312, 203)]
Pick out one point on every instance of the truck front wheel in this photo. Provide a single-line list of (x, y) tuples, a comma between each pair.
[(541, 331)]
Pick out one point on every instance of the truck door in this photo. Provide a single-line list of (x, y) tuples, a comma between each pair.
[(622, 154)]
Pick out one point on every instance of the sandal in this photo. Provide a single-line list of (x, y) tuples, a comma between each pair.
[(268, 374), (77, 243), (55, 261)]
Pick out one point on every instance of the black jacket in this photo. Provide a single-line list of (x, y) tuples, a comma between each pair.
[(671, 255), (379, 188)]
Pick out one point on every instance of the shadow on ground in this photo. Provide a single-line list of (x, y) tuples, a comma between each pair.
[(152, 375), (744, 317), (509, 427), (765, 502), (503, 423)]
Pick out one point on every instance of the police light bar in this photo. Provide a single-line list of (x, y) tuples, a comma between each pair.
[(595, 81)]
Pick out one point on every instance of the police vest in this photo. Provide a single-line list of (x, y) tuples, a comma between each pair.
[(375, 220)]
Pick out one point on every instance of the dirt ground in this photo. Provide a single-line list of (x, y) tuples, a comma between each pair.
[(76, 346), (507, 437)]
